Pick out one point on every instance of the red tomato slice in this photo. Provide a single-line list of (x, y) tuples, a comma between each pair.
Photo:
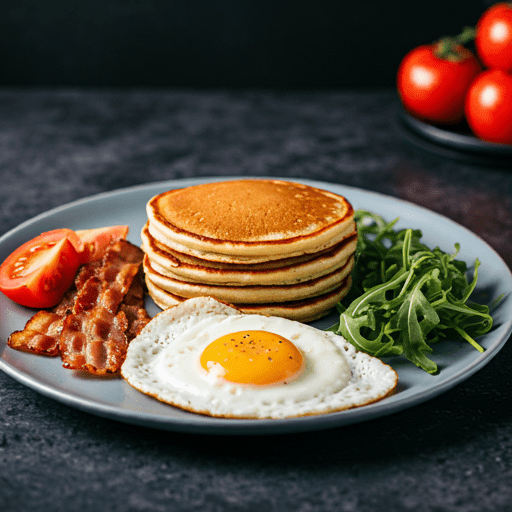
[(93, 242), (38, 273)]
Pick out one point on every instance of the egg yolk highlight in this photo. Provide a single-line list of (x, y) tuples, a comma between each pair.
[(253, 357)]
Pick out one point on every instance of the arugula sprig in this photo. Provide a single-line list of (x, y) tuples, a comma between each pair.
[(405, 296)]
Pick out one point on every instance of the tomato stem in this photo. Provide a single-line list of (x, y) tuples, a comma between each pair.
[(467, 35), (449, 48)]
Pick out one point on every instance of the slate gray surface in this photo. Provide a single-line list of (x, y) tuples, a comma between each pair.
[(451, 454)]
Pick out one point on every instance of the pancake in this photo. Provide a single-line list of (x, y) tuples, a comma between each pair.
[(284, 271), (176, 258), (249, 221), (250, 294), (266, 246), (306, 310)]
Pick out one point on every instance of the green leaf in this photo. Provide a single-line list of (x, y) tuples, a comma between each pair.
[(416, 318), (405, 296), (350, 328)]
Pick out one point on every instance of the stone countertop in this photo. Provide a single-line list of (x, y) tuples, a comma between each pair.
[(452, 453)]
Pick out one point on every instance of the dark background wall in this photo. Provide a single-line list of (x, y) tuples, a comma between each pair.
[(231, 43)]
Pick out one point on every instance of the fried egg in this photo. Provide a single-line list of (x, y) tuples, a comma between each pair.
[(207, 357)]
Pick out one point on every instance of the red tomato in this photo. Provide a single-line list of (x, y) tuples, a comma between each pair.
[(93, 242), (494, 37), (489, 106), (433, 88), (38, 273)]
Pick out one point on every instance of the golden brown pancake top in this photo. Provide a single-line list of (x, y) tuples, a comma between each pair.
[(250, 210)]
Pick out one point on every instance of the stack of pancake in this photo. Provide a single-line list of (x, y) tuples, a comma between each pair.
[(265, 246)]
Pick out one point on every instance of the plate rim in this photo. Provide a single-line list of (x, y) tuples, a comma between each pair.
[(207, 425)]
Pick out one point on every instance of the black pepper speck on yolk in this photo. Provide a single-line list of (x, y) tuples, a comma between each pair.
[(254, 357)]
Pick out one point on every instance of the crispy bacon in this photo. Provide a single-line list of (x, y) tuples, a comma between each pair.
[(93, 336), (97, 318), (133, 307), (41, 333)]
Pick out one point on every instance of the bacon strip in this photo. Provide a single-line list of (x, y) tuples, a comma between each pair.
[(93, 336), (41, 333), (133, 307), (91, 328)]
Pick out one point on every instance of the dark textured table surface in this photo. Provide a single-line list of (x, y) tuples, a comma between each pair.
[(452, 453)]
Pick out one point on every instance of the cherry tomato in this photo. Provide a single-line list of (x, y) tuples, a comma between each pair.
[(493, 39), (93, 242), (489, 106), (433, 88), (38, 273)]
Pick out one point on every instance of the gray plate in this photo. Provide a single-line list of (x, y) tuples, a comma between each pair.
[(115, 399)]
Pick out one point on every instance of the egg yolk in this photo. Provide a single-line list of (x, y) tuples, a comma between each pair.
[(253, 357)]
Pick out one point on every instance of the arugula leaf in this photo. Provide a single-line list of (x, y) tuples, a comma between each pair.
[(405, 296), (416, 318)]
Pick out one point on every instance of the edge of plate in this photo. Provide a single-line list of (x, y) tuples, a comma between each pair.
[(207, 425)]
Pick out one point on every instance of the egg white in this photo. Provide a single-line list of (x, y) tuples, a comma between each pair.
[(325, 369), (163, 361)]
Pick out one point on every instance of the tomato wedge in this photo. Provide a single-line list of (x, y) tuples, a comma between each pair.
[(38, 273), (94, 242)]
